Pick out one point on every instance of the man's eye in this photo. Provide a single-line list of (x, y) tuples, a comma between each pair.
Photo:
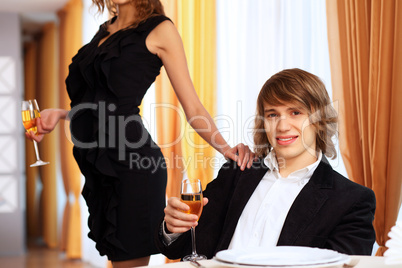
[(296, 113), (271, 115)]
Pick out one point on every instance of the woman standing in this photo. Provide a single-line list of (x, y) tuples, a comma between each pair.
[(107, 81)]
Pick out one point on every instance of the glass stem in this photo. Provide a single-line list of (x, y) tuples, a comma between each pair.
[(193, 241), (36, 150)]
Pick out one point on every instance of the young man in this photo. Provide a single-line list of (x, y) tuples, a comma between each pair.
[(291, 195)]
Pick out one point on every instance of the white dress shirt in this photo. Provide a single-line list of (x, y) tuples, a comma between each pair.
[(262, 219)]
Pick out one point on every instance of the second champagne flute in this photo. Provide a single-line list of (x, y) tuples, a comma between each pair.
[(29, 112), (191, 194)]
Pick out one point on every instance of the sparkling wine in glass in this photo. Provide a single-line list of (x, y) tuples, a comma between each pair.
[(191, 194), (29, 112)]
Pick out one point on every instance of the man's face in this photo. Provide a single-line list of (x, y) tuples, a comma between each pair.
[(289, 132)]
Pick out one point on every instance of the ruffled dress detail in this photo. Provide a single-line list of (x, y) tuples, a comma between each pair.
[(106, 84)]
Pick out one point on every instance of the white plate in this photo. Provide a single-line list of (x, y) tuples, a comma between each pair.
[(337, 264), (281, 256)]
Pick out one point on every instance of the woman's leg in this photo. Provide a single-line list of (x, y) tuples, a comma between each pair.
[(131, 263)]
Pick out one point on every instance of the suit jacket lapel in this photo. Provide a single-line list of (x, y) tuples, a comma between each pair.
[(306, 205), (245, 187)]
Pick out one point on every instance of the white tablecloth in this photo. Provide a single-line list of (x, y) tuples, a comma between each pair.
[(364, 262)]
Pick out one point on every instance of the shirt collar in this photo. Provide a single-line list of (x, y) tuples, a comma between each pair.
[(271, 162)]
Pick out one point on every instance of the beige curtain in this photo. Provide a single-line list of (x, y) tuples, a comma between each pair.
[(168, 120), (47, 95), (365, 41), (32, 202), (197, 26), (70, 17), (196, 23)]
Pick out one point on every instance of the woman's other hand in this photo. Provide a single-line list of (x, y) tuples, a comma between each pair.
[(46, 123)]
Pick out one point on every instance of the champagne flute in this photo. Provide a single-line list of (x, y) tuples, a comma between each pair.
[(191, 195), (29, 112)]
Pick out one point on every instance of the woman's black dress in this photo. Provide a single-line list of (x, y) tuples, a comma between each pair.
[(125, 172)]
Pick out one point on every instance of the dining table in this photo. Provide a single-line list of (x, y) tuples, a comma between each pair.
[(358, 261)]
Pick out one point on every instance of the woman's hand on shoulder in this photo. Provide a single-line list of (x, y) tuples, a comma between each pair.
[(46, 123), (241, 154)]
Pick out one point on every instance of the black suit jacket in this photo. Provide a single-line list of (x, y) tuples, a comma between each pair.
[(330, 212)]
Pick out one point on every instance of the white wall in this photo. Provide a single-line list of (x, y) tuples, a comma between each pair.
[(12, 183)]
